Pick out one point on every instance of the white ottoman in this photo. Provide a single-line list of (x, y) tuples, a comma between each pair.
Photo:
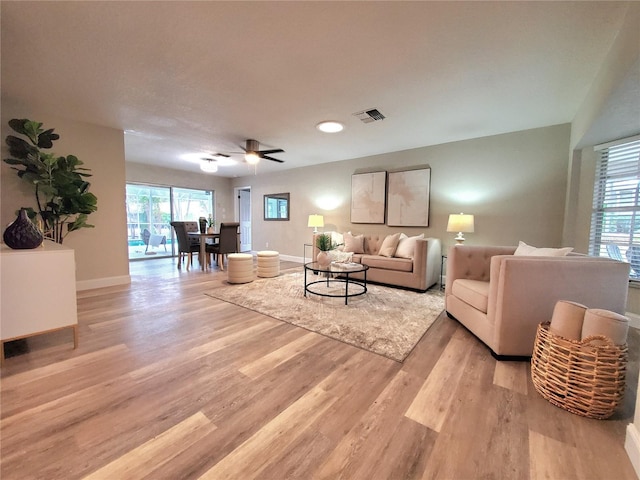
[(240, 268), (268, 263)]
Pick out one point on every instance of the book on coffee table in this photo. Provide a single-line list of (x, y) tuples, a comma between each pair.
[(345, 266)]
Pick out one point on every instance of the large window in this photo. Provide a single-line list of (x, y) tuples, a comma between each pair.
[(150, 210), (615, 220)]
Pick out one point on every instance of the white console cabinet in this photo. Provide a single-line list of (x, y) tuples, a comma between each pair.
[(37, 292)]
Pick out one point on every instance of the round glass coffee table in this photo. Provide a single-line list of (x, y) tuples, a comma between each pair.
[(346, 285)]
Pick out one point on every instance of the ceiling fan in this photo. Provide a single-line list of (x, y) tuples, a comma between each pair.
[(253, 154)]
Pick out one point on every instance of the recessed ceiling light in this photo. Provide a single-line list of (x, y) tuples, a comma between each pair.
[(208, 165), (330, 127), (222, 159)]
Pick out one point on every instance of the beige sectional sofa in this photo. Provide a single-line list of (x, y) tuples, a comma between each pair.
[(418, 268), (501, 298)]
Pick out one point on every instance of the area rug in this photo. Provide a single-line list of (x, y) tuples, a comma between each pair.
[(387, 321)]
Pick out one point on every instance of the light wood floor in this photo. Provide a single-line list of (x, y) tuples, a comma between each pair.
[(168, 383)]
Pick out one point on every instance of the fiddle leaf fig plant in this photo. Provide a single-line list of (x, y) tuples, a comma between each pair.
[(61, 191)]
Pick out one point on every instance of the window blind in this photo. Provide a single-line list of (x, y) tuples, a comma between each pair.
[(615, 219)]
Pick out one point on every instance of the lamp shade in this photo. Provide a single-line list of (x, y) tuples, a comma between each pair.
[(316, 221), (460, 223)]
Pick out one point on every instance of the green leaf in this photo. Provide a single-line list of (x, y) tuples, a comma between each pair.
[(46, 138), (17, 125), (19, 148)]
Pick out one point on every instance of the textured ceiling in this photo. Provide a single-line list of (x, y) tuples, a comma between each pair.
[(191, 77)]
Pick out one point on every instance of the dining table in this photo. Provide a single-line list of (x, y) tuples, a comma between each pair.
[(203, 258)]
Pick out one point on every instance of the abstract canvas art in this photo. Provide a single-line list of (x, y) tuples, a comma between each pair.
[(408, 198), (368, 197)]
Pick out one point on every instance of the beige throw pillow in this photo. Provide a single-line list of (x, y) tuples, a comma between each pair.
[(407, 246), (353, 244), (389, 245), (528, 250)]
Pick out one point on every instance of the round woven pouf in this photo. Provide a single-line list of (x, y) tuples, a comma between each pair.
[(240, 268), (268, 263)]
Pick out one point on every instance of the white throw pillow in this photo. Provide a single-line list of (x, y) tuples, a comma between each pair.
[(389, 245), (407, 246), (354, 244), (338, 238), (528, 250)]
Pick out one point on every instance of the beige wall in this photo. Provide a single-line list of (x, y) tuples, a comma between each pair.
[(513, 183), (100, 252), (141, 173), (621, 59)]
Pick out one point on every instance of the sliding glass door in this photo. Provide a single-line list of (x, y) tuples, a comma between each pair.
[(150, 210), (148, 221)]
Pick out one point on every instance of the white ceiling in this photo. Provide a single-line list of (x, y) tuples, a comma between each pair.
[(195, 77)]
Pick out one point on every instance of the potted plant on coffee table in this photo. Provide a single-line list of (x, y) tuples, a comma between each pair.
[(324, 244)]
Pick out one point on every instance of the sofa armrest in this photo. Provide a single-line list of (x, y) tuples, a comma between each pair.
[(471, 262), (426, 262), (524, 290)]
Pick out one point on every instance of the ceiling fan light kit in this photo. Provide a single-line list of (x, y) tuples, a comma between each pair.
[(252, 158), (253, 154)]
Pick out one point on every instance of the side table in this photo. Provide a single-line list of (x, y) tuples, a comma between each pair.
[(442, 261), (304, 253)]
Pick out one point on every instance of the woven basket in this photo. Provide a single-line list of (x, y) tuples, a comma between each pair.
[(584, 377)]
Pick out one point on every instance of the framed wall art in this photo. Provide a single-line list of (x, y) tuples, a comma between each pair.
[(408, 198), (368, 197)]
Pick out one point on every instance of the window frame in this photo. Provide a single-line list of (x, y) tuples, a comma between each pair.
[(615, 215)]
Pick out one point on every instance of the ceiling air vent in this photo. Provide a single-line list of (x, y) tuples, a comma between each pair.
[(371, 115)]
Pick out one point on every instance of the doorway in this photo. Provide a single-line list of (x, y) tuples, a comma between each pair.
[(244, 217)]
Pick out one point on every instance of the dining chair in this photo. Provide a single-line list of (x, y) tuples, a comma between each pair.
[(228, 242), (185, 244)]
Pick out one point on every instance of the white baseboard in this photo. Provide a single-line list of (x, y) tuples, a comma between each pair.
[(292, 258), (632, 446), (288, 258), (102, 282)]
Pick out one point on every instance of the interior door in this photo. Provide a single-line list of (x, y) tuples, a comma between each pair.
[(244, 199)]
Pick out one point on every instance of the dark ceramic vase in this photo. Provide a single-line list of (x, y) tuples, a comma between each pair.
[(203, 224), (22, 233)]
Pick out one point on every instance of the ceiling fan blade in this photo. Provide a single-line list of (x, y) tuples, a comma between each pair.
[(269, 152), (272, 159)]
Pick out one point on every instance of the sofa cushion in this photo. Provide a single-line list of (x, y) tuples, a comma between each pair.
[(385, 263), (354, 244), (389, 245), (407, 246), (373, 242), (472, 292), (528, 250)]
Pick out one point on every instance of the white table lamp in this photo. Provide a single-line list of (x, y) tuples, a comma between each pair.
[(460, 223), (316, 221)]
